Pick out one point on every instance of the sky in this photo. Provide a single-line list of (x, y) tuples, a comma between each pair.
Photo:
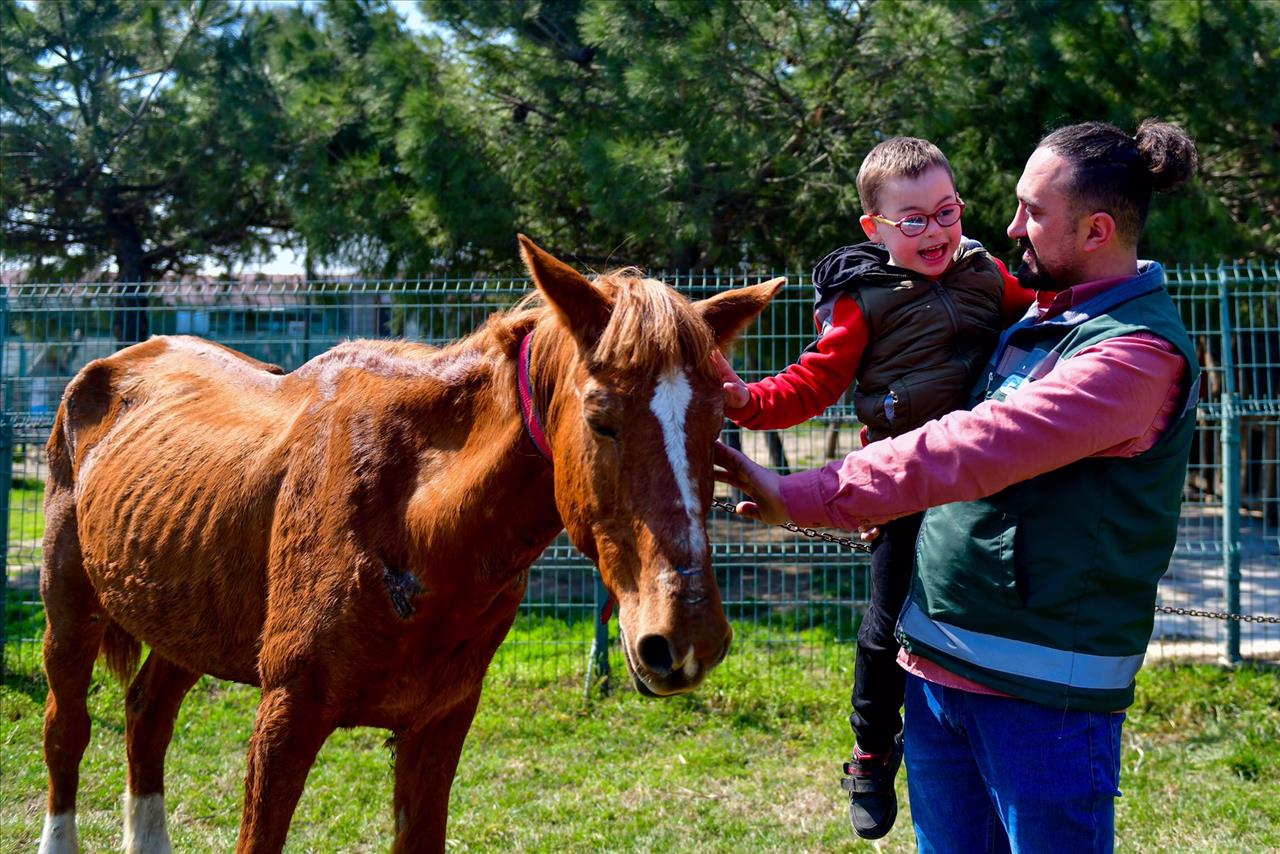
[(408, 9)]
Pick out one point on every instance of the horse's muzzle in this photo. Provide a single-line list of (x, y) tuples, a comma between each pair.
[(659, 670)]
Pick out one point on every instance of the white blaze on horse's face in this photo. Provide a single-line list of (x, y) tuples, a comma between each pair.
[(673, 628), (635, 489), (670, 403)]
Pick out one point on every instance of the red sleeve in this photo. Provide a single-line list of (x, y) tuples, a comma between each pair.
[(813, 383), (1016, 298)]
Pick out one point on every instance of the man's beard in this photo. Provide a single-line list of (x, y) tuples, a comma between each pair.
[(1032, 272)]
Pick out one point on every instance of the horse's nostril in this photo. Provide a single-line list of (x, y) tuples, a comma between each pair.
[(655, 654)]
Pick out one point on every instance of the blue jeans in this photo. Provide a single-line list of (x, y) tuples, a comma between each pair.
[(998, 774)]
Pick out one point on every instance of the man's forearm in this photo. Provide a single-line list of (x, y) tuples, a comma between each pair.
[(1112, 399)]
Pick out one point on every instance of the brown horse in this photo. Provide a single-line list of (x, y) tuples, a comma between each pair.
[(354, 537)]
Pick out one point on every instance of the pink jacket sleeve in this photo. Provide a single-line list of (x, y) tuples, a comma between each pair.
[(1112, 399)]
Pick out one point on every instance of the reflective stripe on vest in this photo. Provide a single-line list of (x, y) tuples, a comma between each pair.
[(1019, 658)]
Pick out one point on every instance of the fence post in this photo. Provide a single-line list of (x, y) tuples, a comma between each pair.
[(6, 482), (598, 663), (1230, 472)]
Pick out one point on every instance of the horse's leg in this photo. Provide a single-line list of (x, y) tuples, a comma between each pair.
[(74, 625), (150, 710), (287, 735), (426, 761), (68, 664)]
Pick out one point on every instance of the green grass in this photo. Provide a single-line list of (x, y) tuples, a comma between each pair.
[(26, 510), (22, 615), (749, 762)]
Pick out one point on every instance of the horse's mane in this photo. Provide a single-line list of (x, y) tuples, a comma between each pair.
[(651, 329)]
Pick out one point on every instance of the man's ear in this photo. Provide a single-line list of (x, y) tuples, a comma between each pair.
[(1099, 231), (869, 228)]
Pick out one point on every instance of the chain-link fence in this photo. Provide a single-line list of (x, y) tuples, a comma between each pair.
[(797, 595)]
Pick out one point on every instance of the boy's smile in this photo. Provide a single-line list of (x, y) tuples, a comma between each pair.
[(930, 252), (934, 254)]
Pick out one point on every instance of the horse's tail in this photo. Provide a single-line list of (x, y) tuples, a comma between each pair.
[(121, 652)]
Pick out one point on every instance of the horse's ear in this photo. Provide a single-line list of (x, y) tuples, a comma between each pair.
[(582, 308), (729, 312)]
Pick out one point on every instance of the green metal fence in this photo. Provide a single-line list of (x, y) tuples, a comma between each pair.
[(798, 596)]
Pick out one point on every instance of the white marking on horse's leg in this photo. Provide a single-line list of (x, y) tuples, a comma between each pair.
[(671, 404), (59, 836), (144, 827)]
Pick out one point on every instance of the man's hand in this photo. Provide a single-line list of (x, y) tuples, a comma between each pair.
[(736, 394), (763, 485)]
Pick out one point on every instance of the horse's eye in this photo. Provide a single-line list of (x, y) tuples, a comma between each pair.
[(602, 429), (602, 410)]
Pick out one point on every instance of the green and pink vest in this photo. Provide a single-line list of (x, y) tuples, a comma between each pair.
[(1046, 590)]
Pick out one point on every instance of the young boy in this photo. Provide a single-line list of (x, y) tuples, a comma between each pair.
[(912, 315)]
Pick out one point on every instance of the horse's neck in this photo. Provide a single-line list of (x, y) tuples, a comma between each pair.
[(491, 489)]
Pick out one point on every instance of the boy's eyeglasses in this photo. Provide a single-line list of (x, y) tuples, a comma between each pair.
[(914, 225)]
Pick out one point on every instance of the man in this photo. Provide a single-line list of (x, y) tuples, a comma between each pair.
[(1056, 499)]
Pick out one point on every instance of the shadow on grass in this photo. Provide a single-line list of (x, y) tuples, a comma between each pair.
[(33, 685)]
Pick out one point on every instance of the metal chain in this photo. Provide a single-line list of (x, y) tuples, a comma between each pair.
[(1218, 615), (863, 547), (847, 542)]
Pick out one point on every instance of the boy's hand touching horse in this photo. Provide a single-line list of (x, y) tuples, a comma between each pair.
[(736, 394)]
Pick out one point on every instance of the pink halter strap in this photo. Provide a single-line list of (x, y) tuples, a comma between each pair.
[(529, 412)]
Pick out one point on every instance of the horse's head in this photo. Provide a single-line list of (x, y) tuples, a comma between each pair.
[(632, 411)]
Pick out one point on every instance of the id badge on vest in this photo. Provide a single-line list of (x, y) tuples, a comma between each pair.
[(1017, 368)]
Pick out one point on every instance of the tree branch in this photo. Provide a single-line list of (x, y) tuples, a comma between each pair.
[(146, 102)]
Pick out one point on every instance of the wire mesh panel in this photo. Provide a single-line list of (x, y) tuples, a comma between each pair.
[(797, 596), (1231, 313), (23, 625)]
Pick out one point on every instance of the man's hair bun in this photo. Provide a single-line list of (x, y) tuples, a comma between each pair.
[(1170, 155)]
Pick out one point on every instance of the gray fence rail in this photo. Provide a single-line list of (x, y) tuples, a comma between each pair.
[(800, 596)]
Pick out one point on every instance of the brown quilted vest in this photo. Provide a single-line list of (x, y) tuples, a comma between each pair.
[(928, 340)]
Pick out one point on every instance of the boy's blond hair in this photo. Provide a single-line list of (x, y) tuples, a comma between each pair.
[(897, 157)]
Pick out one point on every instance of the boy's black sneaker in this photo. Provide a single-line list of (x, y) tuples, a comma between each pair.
[(873, 804)]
